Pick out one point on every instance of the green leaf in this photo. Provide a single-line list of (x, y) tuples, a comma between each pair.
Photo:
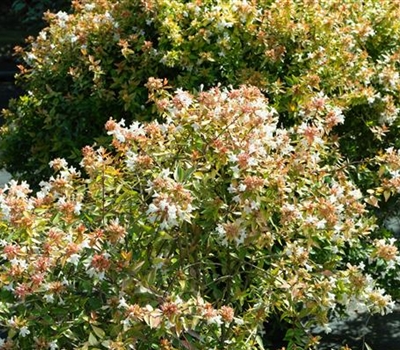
[(198, 175), (260, 342), (179, 174), (99, 332), (18, 6), (92, 339)]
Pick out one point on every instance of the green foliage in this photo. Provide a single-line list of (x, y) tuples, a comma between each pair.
[(93, 64), (195, 233), (216, 210)]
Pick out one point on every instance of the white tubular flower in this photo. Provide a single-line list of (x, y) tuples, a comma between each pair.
[(74, 259), (24, 331)]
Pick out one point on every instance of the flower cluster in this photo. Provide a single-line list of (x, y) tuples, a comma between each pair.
[(195, 231), (171, 202)]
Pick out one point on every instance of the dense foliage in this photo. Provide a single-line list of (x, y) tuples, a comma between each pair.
[(194, 232), (93, 64), (247, 143)]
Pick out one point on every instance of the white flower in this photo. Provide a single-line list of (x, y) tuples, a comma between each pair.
[(252, 161), (49, 298), (196, 127), (61, 162), (172, 210), (77, 208), (222, 24), (233, 158), (251, 206), (221, 230), (18, 262), (356, 194), (165, 173), (235, 171), (53, 345), (73, 38), (136, 129), (43, 35), (62, 15), (122, 303), (217, 319), (242, 235), (12, 322), (152, 209), (89, 7), (24, 331), (325, 327), (163, 204), (321, 224), (9, 287), (242, 187), (236, 199), (311, 220), (238, 321), (30, 57), (118, 135), (126, 324), (74, 259), (231, 189), (93, 273), (45, 188), (184, 97)]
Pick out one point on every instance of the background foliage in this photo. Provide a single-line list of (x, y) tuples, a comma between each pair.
[(30, 12), (93, 64)]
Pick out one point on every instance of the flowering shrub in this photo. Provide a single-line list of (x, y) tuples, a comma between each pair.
[(193, 233), (93, 64)]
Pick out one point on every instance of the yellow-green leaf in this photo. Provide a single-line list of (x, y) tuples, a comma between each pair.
[(92, 339), (99, 332)]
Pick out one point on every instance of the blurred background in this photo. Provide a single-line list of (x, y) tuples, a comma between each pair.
[(19, 19)]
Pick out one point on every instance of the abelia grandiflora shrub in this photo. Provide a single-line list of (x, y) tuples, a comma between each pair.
[(193, 233), (94, 63)]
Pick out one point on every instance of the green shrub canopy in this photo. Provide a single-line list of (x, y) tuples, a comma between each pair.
[(93, 64), (247, 143)]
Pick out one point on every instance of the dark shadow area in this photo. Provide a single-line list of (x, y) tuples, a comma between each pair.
[(379, 332), (12, 33), (18, 20)]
